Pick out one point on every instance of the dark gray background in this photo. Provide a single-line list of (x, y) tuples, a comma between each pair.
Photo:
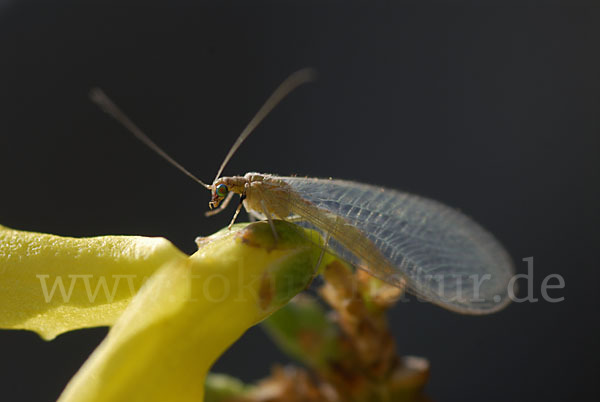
[(492, 110)]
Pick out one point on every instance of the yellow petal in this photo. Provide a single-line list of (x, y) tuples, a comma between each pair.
[(191, 311), (52, 284)]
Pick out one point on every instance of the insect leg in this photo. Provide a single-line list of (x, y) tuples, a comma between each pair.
[(237, 210), (323, 251), (264, 208), (221, 207)]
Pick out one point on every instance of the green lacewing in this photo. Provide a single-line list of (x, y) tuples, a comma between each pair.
[(436, 252)]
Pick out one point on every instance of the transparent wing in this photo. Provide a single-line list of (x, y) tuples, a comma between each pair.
[(443, 255)]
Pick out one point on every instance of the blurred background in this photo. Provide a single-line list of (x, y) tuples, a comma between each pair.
[(493, 110)]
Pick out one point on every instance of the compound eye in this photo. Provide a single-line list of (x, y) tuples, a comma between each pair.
[(222, 190)]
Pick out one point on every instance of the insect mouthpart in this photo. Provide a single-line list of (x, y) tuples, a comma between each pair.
[(214, 203)]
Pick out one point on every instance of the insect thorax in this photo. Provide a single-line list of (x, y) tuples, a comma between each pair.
[(267, 192)]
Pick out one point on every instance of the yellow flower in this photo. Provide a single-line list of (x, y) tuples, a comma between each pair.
[(171, 315)]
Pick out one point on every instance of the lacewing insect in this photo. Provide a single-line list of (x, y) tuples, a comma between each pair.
[(435, 251)]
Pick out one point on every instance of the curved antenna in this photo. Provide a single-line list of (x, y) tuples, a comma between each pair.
[(99, 97), (292, 82)]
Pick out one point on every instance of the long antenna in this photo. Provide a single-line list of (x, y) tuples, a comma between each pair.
[(99, 97), (292, 82)]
